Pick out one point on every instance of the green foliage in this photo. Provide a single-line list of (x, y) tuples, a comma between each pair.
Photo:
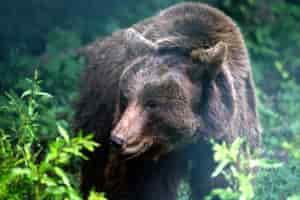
[(283, 182), (184, 191), (30, 169), (96, 196), (238, 166)]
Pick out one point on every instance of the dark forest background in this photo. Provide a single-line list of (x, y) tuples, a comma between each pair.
[(36, 38)]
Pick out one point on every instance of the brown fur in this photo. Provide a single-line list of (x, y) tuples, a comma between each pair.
[(165, 86)]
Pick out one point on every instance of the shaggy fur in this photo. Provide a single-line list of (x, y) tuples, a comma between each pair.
[(193, 59)]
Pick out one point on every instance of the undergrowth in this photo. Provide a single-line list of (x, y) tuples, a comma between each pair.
[(36, 150)]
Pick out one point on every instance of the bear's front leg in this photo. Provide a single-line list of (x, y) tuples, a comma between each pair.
[(156, 180), (202, 168), (92, 175)]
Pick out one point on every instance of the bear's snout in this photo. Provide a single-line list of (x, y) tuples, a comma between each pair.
[(129, 135), (116, 142)]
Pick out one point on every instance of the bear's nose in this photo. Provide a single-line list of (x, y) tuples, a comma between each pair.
[(116, 142)]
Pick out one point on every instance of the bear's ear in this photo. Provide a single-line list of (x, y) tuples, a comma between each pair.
[(218, 102), (213, 59)]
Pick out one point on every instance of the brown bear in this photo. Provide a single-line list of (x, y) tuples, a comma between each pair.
[(155, 93)]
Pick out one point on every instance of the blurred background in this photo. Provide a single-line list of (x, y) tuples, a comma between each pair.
[(38, 34)]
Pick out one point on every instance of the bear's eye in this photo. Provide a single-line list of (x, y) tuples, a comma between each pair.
[(151, 105)]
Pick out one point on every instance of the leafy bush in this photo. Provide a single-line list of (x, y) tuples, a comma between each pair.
[(252, 177), (240, 167), (34, 165)]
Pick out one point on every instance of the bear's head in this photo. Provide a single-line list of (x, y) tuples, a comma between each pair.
[(170, 98)]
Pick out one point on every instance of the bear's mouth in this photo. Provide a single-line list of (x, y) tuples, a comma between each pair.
[(139, 148), (135, 152), (149, 148), (135, 149)]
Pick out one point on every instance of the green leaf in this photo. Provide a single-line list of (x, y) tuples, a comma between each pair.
[(220, 167), (44, 94), (26, 93), (50, 182), (62, 175), (63, 133), (21, 172), (96, 196)]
